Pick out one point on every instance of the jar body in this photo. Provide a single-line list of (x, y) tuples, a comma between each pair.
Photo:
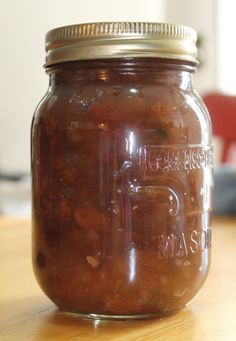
[(121, 169)]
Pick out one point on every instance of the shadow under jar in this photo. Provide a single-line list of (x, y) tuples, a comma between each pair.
[(121, 172)]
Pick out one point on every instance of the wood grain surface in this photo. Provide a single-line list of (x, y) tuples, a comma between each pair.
[(26, 314)]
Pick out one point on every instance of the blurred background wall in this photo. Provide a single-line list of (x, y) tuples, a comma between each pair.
[(23, 25)]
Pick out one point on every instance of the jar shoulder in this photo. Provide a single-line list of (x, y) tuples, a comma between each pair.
[(170, 111)]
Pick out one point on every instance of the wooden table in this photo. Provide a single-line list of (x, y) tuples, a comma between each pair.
[(26, 314)]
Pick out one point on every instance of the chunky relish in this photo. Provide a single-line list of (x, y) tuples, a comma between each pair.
[(121, 165)]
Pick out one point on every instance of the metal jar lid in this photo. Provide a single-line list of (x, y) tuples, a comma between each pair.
[(120, 39)]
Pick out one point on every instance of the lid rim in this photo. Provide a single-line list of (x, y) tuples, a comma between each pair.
[(155, 39), (195, 62)]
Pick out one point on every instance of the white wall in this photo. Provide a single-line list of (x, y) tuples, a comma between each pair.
[(227, 46), (201, 15), (23, 25)]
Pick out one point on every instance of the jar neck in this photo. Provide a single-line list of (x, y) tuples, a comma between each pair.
[(129, 70)]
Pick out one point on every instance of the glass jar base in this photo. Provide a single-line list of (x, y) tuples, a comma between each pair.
[(123, 317)]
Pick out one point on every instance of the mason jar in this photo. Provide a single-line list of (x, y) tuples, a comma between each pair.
[(121, 171)]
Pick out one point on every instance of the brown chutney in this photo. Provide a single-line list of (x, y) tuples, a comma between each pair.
[(121, 172)]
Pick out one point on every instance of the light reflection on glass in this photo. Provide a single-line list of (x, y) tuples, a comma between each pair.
[(130, 143), (96, 324), (132, 265)]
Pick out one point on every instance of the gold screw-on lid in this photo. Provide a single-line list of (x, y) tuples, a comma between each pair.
[(120, 39)]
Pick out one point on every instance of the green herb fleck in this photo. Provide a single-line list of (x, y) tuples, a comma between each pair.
[(162, 133)]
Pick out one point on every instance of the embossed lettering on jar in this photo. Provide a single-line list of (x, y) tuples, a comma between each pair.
[(121, 172)]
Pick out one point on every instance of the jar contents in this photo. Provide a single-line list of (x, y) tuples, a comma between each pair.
[(121, 162)]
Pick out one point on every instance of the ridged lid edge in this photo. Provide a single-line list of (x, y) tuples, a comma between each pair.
[(133, 38)]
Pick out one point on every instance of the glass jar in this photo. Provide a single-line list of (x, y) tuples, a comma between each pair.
[(121, 171)]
